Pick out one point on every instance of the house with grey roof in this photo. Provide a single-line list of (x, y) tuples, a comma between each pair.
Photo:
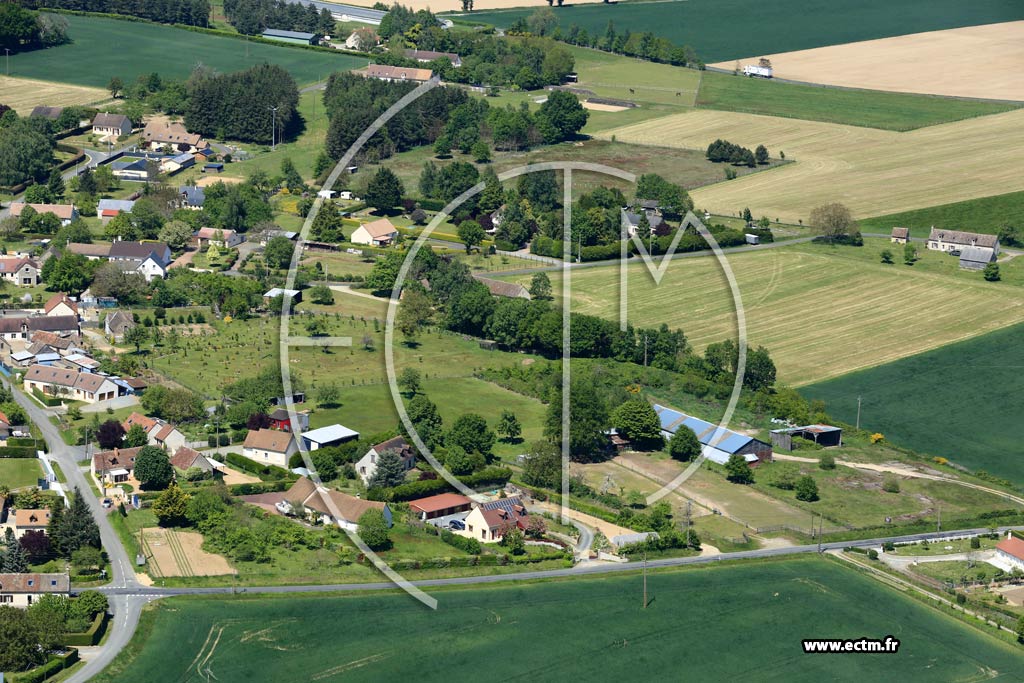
[(191, 197), (115, 125), (976, 258), (149, 259), (630, 220), (958, 240)]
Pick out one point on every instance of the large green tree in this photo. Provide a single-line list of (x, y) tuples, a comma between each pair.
[(684, 444), (543, 466), (373, 529), (560, 117), (738, 471), (390, 470), (384, 191), (637, 421), (426, 419), (171, 506), (20, 639), (471, 433), (153, 469), (588, 420)]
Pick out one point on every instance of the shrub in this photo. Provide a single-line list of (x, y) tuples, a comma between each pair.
[(827, 462), (872, 554), (975, 542), (891, 483), (469, 545)]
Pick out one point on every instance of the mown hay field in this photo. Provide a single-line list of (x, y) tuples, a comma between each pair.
[(820, 314), (872, 171), (22, 94), (586, 629)]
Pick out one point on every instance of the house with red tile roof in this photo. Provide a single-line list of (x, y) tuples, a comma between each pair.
[(269, 447), (489, 522), (1011, 551), (160, 433), (21, 590), (441, 505), (60, 304), (71, 384)]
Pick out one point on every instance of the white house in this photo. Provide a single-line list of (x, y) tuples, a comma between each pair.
[(269, 447), (116, 125), (20, 270), (71, 384), (488, 522), (21, 590), (160, 433), (149, 259), (60, 304), (379, 233), (1011, 551), (65, 212), (328, 436), (957, 240), (221, 238), (367, 465)]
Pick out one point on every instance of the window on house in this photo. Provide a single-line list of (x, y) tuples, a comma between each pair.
[(6, 598)]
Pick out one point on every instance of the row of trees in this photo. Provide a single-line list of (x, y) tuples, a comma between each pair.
[(237, 105), (26, 149), (188, 12), (251, 17)]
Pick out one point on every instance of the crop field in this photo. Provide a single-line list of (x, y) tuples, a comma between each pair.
[(956, 401), (820, 313), (103, 48), (392, 637), (722, 30), (22, 94), (976, 61), (873, 172), (986, 214), (16, 473), (869, 108)]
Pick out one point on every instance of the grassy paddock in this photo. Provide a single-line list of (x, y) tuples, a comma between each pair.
[(16, 473), (917, 400), (985, 214), (103, 48), (871, 108), (729, 29), (391, 637)]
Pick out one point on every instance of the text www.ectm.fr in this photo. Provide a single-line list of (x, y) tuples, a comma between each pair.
[(888, 645)]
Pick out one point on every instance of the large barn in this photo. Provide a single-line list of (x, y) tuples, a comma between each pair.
[(718, 443)]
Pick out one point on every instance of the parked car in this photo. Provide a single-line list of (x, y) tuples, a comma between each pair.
[(107, 502), (457, 524)]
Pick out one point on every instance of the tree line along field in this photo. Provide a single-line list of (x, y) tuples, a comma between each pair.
[(873, 172), (957, 401), (722, 30), (587, 627), (869, 108), (820, 311), (985, 215), (102, 48)]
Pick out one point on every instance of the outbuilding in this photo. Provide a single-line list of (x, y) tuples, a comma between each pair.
[(332, 435), (294, 37)]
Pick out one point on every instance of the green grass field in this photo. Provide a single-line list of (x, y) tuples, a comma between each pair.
[(870, 108), (821, 311), (16, 473), (587, 629), (957, 401), (986, 214), (103, 48), (729, 29)]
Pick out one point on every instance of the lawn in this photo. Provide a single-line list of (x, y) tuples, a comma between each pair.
[(16, 473), (391, 637), (957, 401), (729, 29), (873, 172), (99, 47), (959, 545), (870, 108), (821, 311), (985, 214)]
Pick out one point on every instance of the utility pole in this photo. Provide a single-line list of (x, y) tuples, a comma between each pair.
[(645, 349), (273, 128), (688, 522), (858, 412), (8, 60), (821, 523), (938, 522)]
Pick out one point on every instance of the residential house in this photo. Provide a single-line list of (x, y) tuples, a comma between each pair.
[(269, 447), (280, 419), (93, 252), (1011, 551), (366, 467), (21, 590), (441, 505), (957, 240), (362, 39), (30, 520), (131, 168), (65, 212), (512, 290), (323, 437), (78, 386), (160, 134), (60, 304), (114, 467), (384, 72), (221, 238), (160, 433), (327, 505), (27, 327), (425, 56), (900, 235), (489, 522), (117, 323), (20, 270), (178, 163), (630, 221), (379, 233), (109, 208), (117, 125), (149, 259), (185, 458)]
